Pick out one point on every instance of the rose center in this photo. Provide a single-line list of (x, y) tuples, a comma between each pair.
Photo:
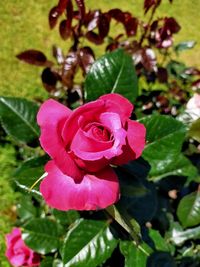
[(101, 133), (98, 132)]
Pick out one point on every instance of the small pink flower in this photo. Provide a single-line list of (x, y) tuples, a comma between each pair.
[(18, 253), (193, 107), (83, 144)]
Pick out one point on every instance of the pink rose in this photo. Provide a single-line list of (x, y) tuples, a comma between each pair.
[(193, 107), (82, 144), (18, 253)]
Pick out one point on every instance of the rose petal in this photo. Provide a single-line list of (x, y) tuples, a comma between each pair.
[(111, 121), (17, 260), (63, 193), (136, 134), (88, 112), (135, 143), (84, 143), (14, 235), (118, 104), (51, 117)]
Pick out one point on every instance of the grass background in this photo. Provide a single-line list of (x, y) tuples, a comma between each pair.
[(24, 25)]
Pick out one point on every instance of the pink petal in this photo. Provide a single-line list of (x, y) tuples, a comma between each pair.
[(84, 143), (93, 192), (135, 143), (51, 117), (14, 235), (17, 260), (88, 112), (136, 134), (118, 104)]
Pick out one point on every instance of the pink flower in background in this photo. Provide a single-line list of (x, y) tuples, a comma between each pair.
[(18, 253), (82, 144), (193, 107)]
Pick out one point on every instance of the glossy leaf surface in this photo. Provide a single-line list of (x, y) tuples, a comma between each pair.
[(89, 243), (18, 118), (41, 235), (133, 255), (188, 210), (112, 73)]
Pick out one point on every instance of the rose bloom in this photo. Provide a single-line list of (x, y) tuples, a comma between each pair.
[(18, 253), (83, 144), (193, 107)]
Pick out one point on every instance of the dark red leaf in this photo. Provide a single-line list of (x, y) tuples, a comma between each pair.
[(49, 79), (91, 19), (131, 25), (103, 25), (117, 14), (171, 25), (53, 16), (94, 38), (70, 67), (58, 55), (62, 4), (196, 85), (81, 7), (146, 57), (65, 29), (70, 10), (162, 75), (34, 57), (112, 46), (86, 58), (148, 4)]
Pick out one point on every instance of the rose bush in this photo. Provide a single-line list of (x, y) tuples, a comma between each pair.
[(18, 253), (83, 144)]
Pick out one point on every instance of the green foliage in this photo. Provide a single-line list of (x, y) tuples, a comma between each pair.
[(165, 136), (189, 210), (112, 73), (28, 174), (18, 118), (133, 255), (88, 243), (41, 235)]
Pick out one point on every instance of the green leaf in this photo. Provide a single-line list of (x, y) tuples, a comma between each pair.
[(165, 137), (188, 210), (47, 262), (66, 217), (138, 197), (184, 46), (26, 209), (28, 173), (133, 255), (160, 258), (112, 73), (89, 243), (178, 165), (129, 224), (194, 130), (41, 235), (178, 236), (159, 242), (18, 118)]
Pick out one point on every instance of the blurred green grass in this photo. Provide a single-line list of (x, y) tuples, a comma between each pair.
[(24, 25)]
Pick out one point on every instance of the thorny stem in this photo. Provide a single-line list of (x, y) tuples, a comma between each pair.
[(148, 24), (114, 213), (38, 180)]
